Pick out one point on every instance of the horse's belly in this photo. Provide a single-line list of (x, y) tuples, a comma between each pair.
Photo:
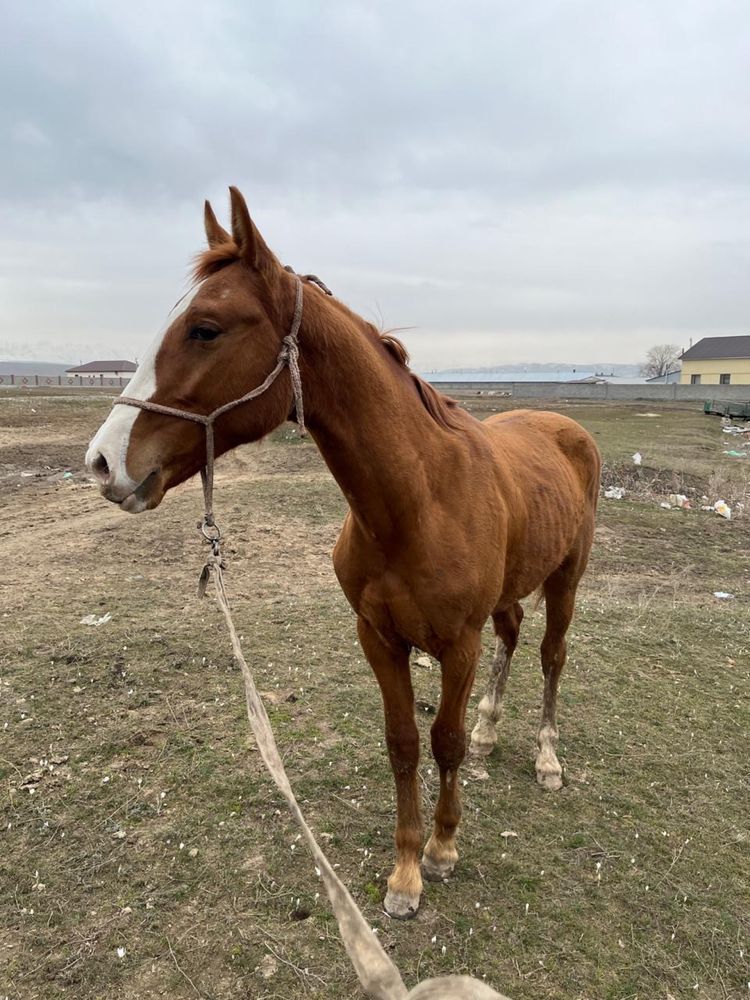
[(529, 563)]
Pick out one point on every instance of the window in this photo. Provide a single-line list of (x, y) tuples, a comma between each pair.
[(724, 379), (695, 380)]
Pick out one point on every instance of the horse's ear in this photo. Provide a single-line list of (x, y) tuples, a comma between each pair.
[(215, 234), (252, 247)]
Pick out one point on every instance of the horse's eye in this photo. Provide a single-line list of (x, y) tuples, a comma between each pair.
[(204, 333)]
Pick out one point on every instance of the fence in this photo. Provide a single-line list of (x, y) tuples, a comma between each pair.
[(75, 381), (519, 390), (608, 390)]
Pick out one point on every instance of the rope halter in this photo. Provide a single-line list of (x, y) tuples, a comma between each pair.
[(288, 356)]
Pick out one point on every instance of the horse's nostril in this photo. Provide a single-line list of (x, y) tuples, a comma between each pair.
[(100, 468)]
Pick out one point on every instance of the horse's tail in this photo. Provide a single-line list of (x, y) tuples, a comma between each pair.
[(537, 598)]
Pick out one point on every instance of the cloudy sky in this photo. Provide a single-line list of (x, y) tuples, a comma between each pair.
[(557, 180)]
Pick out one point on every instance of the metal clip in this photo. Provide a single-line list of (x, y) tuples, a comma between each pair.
[(212, 536), (210, 531)]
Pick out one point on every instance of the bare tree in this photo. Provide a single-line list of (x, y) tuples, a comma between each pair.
[(661, 359)]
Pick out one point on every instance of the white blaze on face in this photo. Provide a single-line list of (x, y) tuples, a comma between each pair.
[(112, 439)]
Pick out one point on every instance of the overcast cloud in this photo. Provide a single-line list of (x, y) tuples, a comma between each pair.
[(547, 181)]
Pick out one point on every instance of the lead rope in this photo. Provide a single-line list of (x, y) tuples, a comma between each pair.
[(378, 975)]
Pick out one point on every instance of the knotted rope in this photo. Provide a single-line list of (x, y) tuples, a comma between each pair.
[(379, 977)]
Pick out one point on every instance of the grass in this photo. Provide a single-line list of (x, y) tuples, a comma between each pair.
[(680, 446), (137, 815)]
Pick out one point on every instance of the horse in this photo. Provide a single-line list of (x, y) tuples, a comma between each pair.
[(451, 520)]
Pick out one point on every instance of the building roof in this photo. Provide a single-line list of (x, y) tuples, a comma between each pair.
[(718, 347), (108, 366), (665, 376)]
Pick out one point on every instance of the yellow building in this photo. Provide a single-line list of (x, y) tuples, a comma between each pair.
[(717, 361)]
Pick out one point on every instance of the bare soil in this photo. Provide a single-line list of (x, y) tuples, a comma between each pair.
[(143, 850)]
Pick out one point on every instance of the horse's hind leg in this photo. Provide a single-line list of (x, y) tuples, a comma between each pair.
[(560, 595), (507, 626)]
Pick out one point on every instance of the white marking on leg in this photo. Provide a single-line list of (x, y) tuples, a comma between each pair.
[(404, 890), (484, 734), (439, 858), (548, 768), (113, 437)]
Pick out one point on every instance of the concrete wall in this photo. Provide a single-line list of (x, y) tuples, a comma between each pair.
[(71, 381), (567, 390)]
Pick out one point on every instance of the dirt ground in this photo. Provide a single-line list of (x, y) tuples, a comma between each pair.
[(143, 850)]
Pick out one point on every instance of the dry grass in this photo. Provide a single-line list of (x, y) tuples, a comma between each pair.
[(152, 828)]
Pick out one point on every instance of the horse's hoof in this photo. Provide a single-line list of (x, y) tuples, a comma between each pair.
[(483, 738), (436, 873), (401, 905), (551, 781), (479, 749), (477, 772), (435, 870)]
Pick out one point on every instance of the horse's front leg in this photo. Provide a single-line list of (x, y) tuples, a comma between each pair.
[(391, 666), (459, 665)]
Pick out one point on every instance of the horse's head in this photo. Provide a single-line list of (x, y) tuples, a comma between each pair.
[(220, 342)]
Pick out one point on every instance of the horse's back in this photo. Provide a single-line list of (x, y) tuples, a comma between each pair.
[(538, 440)]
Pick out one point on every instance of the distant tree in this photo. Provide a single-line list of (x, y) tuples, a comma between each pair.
[(661, 359)]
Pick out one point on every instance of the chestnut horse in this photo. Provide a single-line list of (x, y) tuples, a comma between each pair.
[(451, 520)]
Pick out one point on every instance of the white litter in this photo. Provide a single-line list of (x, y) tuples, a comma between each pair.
[(637, 458), (722, 507), (679, 500), (665, 505), (615, 493), (723, 595), (93, 620)]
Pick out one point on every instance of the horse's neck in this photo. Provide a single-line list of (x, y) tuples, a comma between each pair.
[(367, 420)]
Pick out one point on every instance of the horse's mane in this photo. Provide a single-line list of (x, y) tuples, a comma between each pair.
[(209, 261), (443, 410)]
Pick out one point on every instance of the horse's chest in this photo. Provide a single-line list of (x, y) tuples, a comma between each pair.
[(429, 617), (410, 618), (425, 596)]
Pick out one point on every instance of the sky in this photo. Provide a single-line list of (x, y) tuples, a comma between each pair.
[(551, 181)]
